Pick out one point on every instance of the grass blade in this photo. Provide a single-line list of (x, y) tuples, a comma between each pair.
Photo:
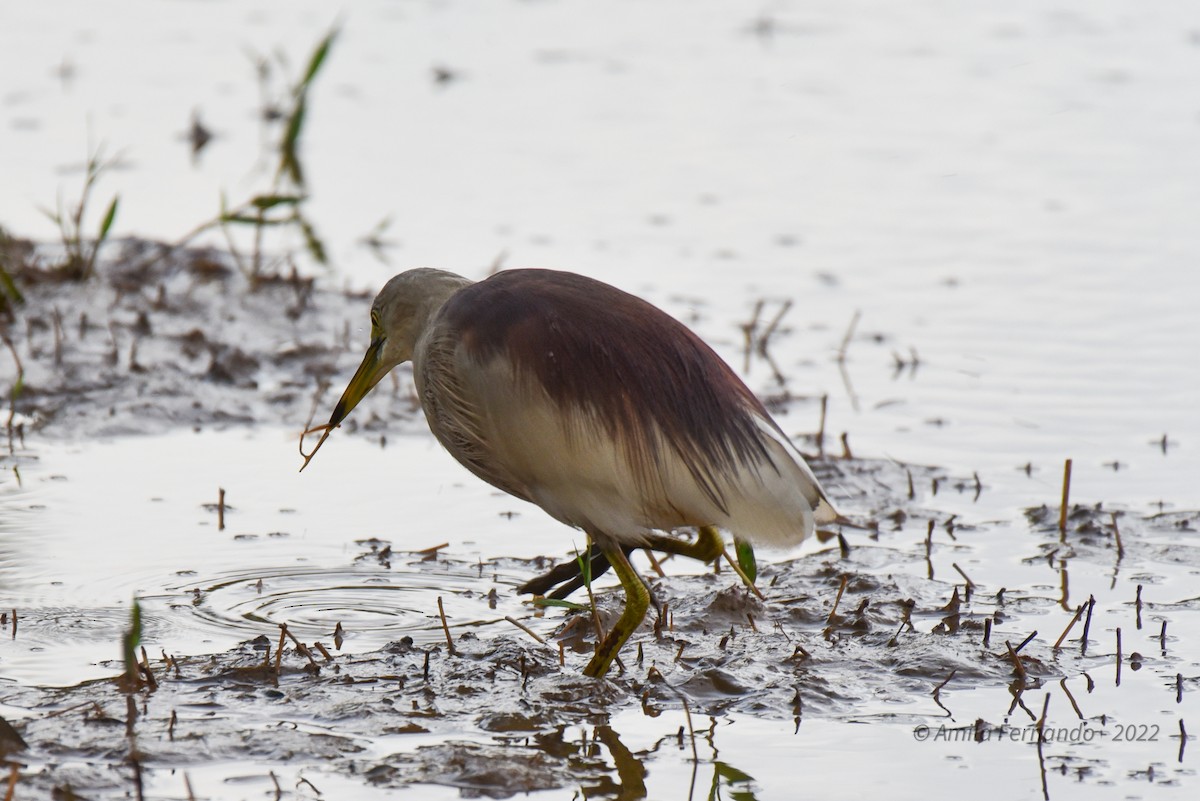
[(318, 57), (109, 217)]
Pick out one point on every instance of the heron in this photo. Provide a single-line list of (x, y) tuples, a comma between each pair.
[(598, 407)]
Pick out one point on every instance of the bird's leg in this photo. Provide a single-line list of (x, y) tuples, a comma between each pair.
[(568, 574), (637, 599), (706, 548)]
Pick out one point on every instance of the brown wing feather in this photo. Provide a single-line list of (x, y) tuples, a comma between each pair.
[(647, 379)]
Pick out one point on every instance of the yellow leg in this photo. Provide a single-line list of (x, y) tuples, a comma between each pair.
[(637, 600), (707, 547)]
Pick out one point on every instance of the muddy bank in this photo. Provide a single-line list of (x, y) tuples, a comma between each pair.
[(942, 609), (163, 337), (866, 635)]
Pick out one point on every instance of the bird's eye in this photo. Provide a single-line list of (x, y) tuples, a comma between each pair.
[(376, 330)]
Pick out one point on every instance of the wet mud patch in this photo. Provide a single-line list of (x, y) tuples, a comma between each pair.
[(859, 636), (162, 337)]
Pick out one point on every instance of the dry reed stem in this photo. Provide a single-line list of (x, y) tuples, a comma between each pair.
[(1016, 660), (749, 329), (587, 585), (301, 647), (144, 667), (279, 648), (772, 326), (1117, 536), (741, 574), (525, 629), (1118, 656), (970, 584), (654, 563), (841, 356), (838, 599), (1071, 625), (445, 627), (1066, 496), (1087, 625)]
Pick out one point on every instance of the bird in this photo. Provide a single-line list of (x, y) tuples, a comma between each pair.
[(600, 408)]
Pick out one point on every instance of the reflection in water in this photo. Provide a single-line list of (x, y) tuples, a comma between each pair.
[(631, 773), (631, 769)]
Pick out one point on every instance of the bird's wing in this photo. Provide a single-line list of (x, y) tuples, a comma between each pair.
[(454, 411), (823, 509)]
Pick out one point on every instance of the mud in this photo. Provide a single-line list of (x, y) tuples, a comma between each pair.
[(167, 337), (863, 631)]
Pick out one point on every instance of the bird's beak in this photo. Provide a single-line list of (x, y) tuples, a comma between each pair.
[(365, 378)]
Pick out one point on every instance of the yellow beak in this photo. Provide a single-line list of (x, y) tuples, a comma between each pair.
[(365, 378)]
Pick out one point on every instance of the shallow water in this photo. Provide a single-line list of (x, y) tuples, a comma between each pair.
[(1007, 192)]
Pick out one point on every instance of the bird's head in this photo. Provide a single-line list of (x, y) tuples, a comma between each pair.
[(400, 314)]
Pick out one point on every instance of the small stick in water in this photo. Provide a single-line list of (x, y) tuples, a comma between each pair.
[(1118, 656), (525, 629), (1016, 660), (445, 627), (279, 648), (838, 599), (1087, 625), (1025, 641), (1066, 496), (220, 509), (841, 356), (1071, 625), (741, 573)]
